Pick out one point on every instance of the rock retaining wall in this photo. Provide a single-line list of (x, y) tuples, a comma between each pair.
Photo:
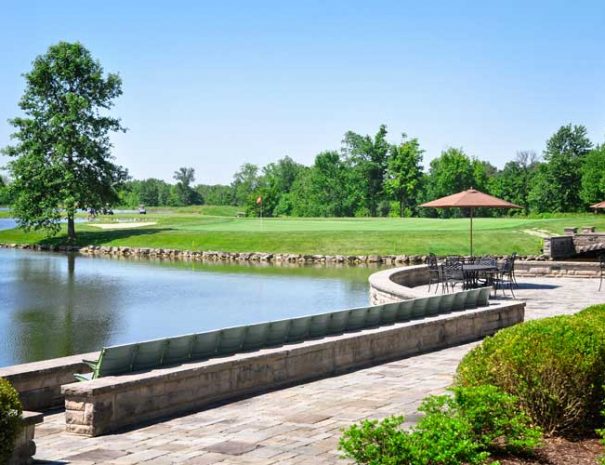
[(235, 257)]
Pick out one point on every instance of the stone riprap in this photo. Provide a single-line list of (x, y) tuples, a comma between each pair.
[(106, 404), (235, 257), (39, 383), (300, 424)]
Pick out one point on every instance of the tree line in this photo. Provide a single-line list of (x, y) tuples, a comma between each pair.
[(370, 176), (61, 162)]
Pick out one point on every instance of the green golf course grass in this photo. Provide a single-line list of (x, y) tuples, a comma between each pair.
[(217, 228)]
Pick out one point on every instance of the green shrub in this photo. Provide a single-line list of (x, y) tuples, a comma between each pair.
[(595, 312), (554, 366), (10, 419), (459, 429)]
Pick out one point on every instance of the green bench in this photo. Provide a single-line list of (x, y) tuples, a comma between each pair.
[(147, 355)]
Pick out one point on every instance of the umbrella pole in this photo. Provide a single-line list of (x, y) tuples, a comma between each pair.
[(471, 231)]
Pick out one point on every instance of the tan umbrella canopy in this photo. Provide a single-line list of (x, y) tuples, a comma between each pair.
[(598, 205), (470, 199)]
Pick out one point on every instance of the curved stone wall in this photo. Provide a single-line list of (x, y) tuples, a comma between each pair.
[(397, 284)]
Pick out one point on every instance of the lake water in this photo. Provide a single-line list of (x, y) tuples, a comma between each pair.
[(52, 305)]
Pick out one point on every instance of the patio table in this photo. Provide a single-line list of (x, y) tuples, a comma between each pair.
[(473, 272)]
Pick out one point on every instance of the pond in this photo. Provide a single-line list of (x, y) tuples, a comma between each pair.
[(52, 305)]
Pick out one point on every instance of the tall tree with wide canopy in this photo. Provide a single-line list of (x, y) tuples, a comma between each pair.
[(184, 178), (558, 183), (62, 159), (368, 158), (404, 173)]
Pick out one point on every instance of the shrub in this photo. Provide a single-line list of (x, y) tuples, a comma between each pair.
[(10, 419), (459, 429), (554, 366)]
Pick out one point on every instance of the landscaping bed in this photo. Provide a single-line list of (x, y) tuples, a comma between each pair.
[(559, 451)]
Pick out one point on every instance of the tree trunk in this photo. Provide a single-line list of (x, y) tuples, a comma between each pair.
[(71, 229), (401, 208)]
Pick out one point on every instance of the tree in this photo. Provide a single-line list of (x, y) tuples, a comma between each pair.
[(324, 189), (62, 160), (558, 189), (593, 176), (245, 182), (184, 178), (4, 199), (274, 187), (404, 173), (514, 182), (451, 172), (368, 156)]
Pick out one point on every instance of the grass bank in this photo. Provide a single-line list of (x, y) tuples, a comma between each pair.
[(217, 228)]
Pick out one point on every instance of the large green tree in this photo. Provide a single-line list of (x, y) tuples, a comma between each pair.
[(245, 182), (404, 173), (324, 189), (62, 159), (514, 182), (184, 178), (593, 176), (368, 158), (558, 182)]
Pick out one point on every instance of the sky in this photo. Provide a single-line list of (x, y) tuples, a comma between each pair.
[(213, 85)]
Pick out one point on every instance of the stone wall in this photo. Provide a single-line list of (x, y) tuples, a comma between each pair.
[(396, 284), (39, 383), (234, 257), (106, 404), (574, 243)]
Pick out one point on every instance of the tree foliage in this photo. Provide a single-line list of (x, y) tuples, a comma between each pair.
[(593, 176), (404, 174), (558, 181), (184, 190), (62, 160)]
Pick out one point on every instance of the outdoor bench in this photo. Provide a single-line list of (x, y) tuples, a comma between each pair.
[(128, 358), (110, 403)]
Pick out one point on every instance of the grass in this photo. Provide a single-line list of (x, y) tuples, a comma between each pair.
[(217, 228)]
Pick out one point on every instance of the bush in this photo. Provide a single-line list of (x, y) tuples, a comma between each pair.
[(459, 429), (554, 366), (10, 419)]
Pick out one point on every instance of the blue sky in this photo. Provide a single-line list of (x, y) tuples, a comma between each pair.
[(213, 85)]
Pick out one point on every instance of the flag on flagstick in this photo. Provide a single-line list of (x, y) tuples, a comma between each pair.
[(259, 200)]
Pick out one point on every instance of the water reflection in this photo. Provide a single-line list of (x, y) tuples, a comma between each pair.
[(54, 305)]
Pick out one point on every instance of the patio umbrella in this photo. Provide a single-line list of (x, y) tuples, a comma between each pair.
[(470, 199), (598, 205)]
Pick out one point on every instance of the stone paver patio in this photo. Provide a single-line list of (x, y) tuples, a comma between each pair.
[(301, 424)]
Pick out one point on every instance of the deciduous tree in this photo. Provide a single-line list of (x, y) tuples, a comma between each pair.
[(62, 157), (404, 173)]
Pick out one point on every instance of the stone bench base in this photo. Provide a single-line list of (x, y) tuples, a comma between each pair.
[(106, 404), (25, 447)]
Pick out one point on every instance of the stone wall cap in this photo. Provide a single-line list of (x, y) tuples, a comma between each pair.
[(384, 281), (31, 418), (37, 368)]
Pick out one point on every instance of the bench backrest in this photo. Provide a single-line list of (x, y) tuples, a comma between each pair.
[(156, 353)]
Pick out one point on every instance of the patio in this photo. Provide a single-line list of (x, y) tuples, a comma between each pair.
[(301, 424)]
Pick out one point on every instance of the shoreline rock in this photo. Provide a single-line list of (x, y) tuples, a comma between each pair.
[(238, 257)]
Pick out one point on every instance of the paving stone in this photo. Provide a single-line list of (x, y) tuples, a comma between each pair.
[(97, 455), (299, 425), (308, 418), (231, 447)]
